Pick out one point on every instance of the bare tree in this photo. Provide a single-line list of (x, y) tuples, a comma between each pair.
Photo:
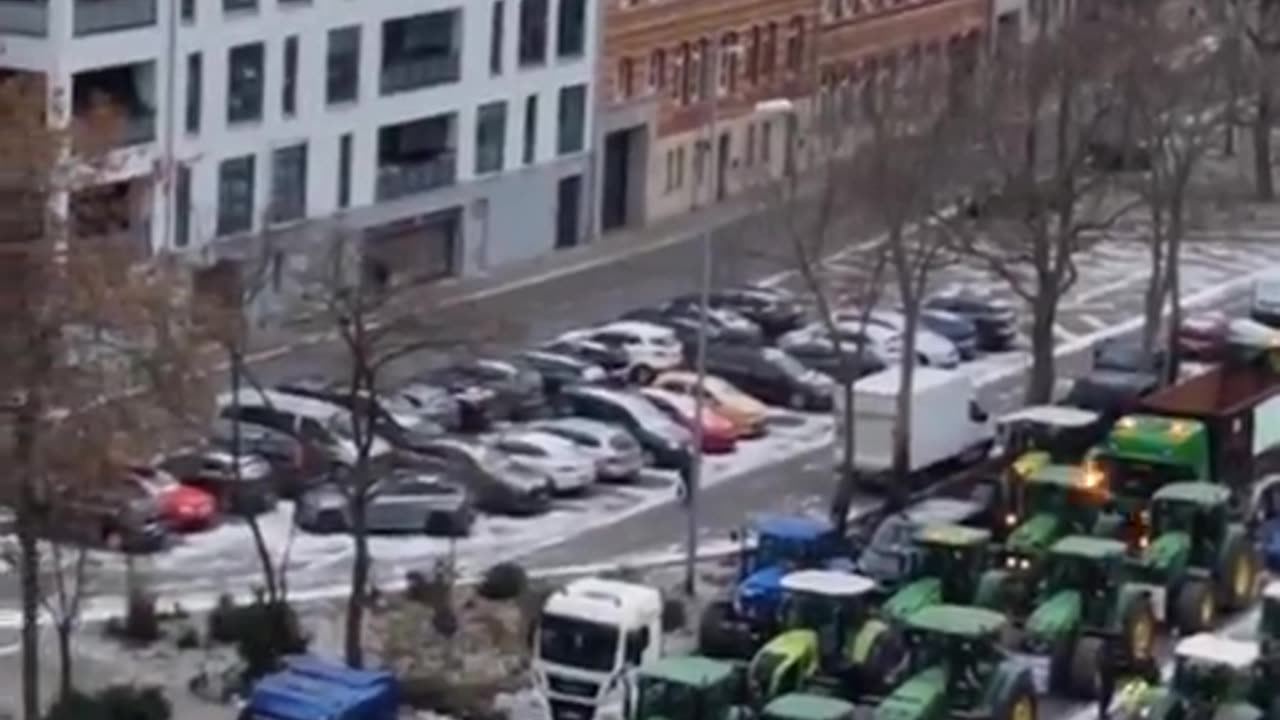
[(379, 321), (1260, 22)]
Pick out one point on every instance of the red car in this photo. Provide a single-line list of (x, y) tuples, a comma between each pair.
[(182, 507), (1203, 336), (719, 433)]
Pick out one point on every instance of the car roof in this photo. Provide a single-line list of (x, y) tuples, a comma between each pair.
[(688, 670), (536, 436), (1216, 650), (1199, 493), (953, 535), (1089, 547), (635, 327), (289, 402), (806, 706), (1059, 415), (828, 582), (580, 424), (942, 510), (957, 621), (792, 527)]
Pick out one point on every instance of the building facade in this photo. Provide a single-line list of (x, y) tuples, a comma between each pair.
[(453, 134), (684, 90)]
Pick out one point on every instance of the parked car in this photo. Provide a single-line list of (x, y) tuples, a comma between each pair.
[(404, 501), (182, 507), (771, 375), (569, 469), (559, 371), (665, 443), (684, 321), (932, 349), (960, 331), (432, 403), (295, 464), (719, 434), (241, 484), (883, 344), (119, 516), (496, 483), (749, 416), (1127, 356), (651, 348), (613, 360), (317, 422), (818, 352), (1203, 336), (516, 388), (394, 420), (774, 311), (617, 455), (993, 318)]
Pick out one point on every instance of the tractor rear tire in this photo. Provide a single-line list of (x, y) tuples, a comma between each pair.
[(1237, 578), (1195, 609), (1138, 631), (884, 662), (1017, 701), (718, 635), (1082, 672)]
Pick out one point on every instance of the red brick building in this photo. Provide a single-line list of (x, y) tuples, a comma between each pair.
[(669, 70)]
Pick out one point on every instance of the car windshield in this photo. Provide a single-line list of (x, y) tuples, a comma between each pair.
[(787, 364), (772, 550), (577, 643)]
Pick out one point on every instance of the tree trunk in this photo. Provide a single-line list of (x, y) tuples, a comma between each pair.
[(1263, 182), (255, 530), (1174, 286), (1153, 298), (903, 415), (66, 685), (846, 485), (28, 559), (1044, 315), (354, 631)]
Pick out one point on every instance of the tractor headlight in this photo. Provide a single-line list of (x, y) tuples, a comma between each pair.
[(1011, 519)]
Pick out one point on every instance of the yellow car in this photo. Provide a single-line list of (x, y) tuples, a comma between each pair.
[(748, 414)]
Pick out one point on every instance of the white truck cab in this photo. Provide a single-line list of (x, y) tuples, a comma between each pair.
[(592, 636)]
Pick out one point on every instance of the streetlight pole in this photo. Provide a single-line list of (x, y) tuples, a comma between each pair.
[(709, 170)]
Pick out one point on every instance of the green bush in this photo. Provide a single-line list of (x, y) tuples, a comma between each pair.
[(504, 581)]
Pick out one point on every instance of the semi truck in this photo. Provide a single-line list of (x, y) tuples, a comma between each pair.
[(948, 426)]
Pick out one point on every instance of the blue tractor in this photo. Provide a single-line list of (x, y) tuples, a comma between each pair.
[(736, 626)]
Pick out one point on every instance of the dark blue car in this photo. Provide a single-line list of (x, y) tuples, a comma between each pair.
[(962, 332)]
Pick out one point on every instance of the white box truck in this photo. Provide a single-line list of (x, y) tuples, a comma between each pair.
[(948, 425)]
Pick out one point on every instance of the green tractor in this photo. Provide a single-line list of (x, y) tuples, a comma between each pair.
[(807, 706), (831, 636), (1058, 500), (957, 669), (1206, 560), (949, 564), (1082, 603), (687, 688), (1214, 678)]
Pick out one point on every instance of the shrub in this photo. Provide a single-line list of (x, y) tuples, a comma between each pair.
[(504, 581), (223, 620), (673, 615), (141, 622), (268, 632)]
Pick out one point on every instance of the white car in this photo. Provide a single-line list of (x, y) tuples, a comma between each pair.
[(616, 453), (650, 348), (567, 467), (932, 349)]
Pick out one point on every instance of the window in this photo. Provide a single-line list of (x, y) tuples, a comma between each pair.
[(497, 27), (729, 63), (188, 10), (182, 207), (671, 171), (571, 29), (289, 183), (571, 117), (533, 32), (342, 65), (235, 195), (686, 73), (657, 69), (626, 74), (244, 83), (795, 45), (753, 55), (344, 171), (706, 66), (289, 90), (766, 141), (239, 5), (530, 129), (679, 167), (769, 49), (195, 88), (491, 137), (750, 152)]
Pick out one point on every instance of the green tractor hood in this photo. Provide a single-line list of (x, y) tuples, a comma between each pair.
[(1168, 551), (784, 651), (913, 596), (1035, 533), (1057, 616), (922, 697)]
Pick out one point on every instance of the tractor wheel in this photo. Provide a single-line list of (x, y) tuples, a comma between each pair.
[(1138, 630), (1016, 702), (1238, 576), (1082, 673), (1195, 609), (718, 634)]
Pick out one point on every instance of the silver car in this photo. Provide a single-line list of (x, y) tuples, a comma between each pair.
[(617, 455), (405, 501), (568, 468)]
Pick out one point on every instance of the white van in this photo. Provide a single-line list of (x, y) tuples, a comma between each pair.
[(313, 421), (947, 422), (1264, 304), (592, 636)]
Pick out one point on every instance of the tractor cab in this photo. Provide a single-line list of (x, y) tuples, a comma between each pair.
[(1196, 511), (1088, 565), (1045, 434), (830, 632), (957, 668), (946, 567), (1211, 672), (806, 706), (1143, 453), (686, 688), (1057, 500)]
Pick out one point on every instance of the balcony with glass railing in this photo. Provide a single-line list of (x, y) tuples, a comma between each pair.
[(400, 179)]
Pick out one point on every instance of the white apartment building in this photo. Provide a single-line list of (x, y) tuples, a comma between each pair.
[(453, 133)]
